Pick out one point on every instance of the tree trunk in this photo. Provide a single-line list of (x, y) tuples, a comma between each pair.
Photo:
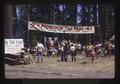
[(8, 20)]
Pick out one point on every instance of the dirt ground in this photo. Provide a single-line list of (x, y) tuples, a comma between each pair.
[(53, 68)]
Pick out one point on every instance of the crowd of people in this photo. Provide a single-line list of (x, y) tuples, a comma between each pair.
[(98, 49), (66, 48)]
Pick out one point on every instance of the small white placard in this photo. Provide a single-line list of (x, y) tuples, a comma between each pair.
[(13, 46)]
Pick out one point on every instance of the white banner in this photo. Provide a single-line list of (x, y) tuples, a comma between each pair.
[(60, 28), (13, 46)]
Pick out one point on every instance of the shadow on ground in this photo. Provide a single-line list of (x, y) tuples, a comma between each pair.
[(10, 59), (64, 61)]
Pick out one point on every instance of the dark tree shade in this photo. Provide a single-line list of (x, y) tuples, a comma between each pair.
[(101, 16)]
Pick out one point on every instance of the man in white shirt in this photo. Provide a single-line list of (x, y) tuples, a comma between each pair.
[(72, 49), (79, 48), (40, 49)]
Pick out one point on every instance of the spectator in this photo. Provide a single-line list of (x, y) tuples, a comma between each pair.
[(79, 48), (40, 49), (62, 52), (93, 55), (72, 48)]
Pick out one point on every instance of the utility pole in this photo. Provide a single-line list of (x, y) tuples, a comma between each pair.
[(28, 9)]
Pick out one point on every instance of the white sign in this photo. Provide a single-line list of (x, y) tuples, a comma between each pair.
[(13, 46)]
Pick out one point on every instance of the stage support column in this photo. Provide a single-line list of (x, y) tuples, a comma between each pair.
[(76, 38)]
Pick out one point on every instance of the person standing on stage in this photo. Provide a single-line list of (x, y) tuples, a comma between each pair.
[(40, 50)]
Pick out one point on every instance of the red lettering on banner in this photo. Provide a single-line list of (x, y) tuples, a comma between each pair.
[(87, 28), (61, 29), (32, 25)]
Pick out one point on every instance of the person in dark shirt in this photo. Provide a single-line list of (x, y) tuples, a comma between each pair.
[(66, 49)]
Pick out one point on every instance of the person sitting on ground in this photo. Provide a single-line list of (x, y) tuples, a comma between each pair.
[(24, 56)]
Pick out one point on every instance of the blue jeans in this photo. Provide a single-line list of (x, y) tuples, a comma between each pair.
[(73, 55), (39, 57), (63, 56)]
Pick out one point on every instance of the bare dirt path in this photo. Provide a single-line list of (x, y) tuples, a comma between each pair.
[(53, 68)]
